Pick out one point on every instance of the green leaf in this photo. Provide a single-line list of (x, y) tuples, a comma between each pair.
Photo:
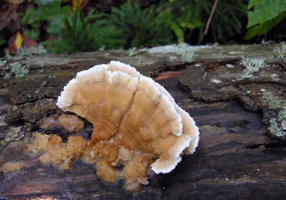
[(252, 3), (141, 26), (33, 33), (2, 41), (30, 16), (178, 32), (265, 27), (68, 26), (264, 10), (82, 18)]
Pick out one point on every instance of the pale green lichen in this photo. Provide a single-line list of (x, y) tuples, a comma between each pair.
[(7, 76), (188, 55), (174, 48), (273, 102), (102, 48), (22, 52), (40, 50), (2, 62), (246, 74), (172, 58), (280, 52), (19, 70), (8, 56), (252, 65), (43, 83), (52, 76), (205, 75), (132, 52), (16, 69), (281, 115), (278, 104), (274, 129)]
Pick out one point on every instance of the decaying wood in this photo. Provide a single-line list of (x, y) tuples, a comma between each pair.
[(236, 159)]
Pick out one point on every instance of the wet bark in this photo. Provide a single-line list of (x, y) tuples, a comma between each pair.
[(236, 158)]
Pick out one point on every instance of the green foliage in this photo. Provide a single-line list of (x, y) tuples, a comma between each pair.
[(192, 16), (263, 15), (73, 30), (47, 11), (140, 27), (2, 41), (178, 32), (85, 34), (131, 26)]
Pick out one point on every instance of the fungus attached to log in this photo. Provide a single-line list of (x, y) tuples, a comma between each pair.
[(10, 167), (70, 123), (133, 117), (136, 123), (55, 151)]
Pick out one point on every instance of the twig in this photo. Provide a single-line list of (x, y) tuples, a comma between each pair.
[(210, 18)]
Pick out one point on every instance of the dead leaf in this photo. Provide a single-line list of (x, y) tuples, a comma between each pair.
[(82, 4), (19, 40), (74, 4), (26, 43)]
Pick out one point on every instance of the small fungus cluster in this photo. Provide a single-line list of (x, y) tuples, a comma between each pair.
[(70, 123)]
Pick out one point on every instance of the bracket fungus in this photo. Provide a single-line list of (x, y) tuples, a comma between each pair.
[(136, 123)]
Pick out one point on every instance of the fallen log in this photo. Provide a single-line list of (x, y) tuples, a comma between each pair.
[(236, 157)]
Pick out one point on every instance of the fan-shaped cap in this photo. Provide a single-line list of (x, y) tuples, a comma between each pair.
[(133, 111)]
